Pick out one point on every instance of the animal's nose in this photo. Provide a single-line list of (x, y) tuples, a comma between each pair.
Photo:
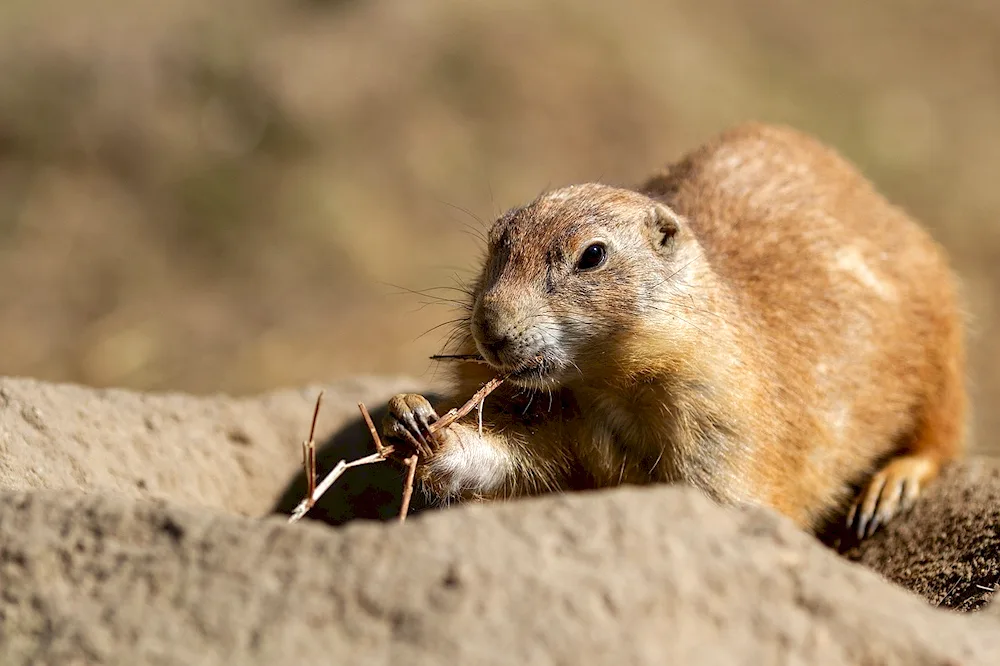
[(493, 334), (492, 337), (496, 347)]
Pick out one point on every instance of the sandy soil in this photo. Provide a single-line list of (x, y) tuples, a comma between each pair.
[(136, 528)]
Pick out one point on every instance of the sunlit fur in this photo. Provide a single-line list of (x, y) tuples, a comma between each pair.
[(766, 327)]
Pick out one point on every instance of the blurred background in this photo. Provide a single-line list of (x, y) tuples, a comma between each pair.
[(235, 195)]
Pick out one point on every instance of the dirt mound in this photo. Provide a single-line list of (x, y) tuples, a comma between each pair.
[(622, 577), (120, 545), (224, 453)]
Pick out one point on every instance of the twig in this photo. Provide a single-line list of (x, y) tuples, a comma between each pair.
[(314, 492), (455, 414), (467, 358), (373, 430), (309, 460), (309, 450), (343, 466), (309, 463), (445, 421), (382, 452), (310, 500), (404, 508)]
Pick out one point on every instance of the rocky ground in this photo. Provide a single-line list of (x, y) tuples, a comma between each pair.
[(135, 528)]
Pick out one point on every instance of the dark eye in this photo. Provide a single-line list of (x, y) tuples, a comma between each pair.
[(592, 257)]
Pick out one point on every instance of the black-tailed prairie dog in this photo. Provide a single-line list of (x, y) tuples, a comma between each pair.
[(756, 321)]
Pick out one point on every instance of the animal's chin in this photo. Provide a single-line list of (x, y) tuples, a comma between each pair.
[(537, 374)]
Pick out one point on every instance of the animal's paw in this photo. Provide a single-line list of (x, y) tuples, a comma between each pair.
[(408, 422), (892, 490)]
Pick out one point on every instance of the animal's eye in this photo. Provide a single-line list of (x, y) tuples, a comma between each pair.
[(593, 257)]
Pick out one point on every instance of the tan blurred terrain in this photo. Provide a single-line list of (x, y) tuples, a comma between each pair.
[(221, 196)]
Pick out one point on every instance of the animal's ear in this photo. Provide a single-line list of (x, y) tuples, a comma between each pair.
[(664, 225)]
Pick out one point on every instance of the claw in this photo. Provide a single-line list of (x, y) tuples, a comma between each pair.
[(409, 419), (425, 426), (911, 491), (869, 504), (400, 430), (414, 432), (852, 514), (893, 490)]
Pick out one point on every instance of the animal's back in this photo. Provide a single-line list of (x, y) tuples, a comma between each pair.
[(851, 306)]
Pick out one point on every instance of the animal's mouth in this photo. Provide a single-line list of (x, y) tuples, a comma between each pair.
[(538, 372)]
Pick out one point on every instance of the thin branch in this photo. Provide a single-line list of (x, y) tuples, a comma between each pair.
[(309, 463), (455, 414), (309, 450), (382, 452), (373, 430), (314, 492), (312, 427), (303, 507), (404, 508), (467, 358)]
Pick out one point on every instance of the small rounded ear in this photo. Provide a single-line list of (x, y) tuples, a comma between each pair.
[(664, 224)]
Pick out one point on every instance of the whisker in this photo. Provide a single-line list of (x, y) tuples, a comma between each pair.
[(531, 398), (672, 275), (658, 459), (475, 217), (680, 318), (441, 325), (475, 233), (463, 290), (458, 337), (424, 294), (493, 203)]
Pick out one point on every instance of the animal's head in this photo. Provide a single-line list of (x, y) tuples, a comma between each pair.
[(569, 275)]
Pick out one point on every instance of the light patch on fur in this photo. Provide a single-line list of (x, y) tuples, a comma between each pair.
[(840, 420), (850, 261), (471, 464), (751, 172)]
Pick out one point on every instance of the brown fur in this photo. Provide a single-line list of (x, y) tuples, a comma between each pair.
[(767, 327)]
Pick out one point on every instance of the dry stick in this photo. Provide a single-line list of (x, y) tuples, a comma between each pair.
[(468, 358), (309, 463), (404, 507), (311, 466), (477, 399), (309, 450), (382, 452), (328, 480)]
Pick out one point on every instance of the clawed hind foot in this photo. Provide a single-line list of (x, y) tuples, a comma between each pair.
[(893, 490)]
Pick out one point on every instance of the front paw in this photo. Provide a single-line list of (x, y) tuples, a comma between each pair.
[(408, 422)]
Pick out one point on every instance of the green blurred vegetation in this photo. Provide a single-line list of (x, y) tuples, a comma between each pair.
[(218, 196)]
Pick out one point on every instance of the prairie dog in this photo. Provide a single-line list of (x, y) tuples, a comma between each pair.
[(756, 321)]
